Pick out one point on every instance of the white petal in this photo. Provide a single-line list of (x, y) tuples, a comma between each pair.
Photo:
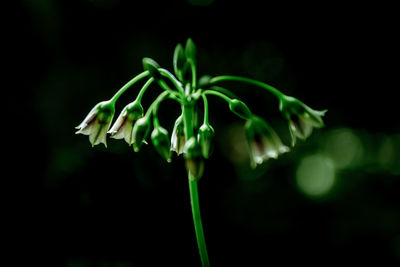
[(86, 126), (86, 130), (128, 132), (283, 149), (302, 129), (313, 117), (117, 130)]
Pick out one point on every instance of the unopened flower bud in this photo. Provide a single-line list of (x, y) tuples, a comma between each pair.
[(179, 62), (160, 140), (190, 50), (152, 66), (97, 122), (193, 159), (204, 81), (205, 139), (123, 126), (140, 132), (240, 109)]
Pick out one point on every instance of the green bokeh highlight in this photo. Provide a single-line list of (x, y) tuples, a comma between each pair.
[(315, 175)]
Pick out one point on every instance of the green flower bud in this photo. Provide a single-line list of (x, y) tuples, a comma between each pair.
[(240, 109), (160, 140), (190, 50), (151, 66), (193, 158), (301, 118), (262, 140), (205, 139), (178, 139), (140, 132), (123, 126), (204, 81), (97, 123), (179, 62)]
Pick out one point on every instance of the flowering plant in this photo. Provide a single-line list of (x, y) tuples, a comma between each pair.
[(195, 143)]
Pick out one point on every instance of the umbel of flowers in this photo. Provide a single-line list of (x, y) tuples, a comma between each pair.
[(194, 141)]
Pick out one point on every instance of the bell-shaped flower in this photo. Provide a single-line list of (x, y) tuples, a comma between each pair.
[(160, 140), (123, 126), (178, 139), (140, 131), (97, 122), (263, 141), (193, 159), (205, 139), (302, 119)]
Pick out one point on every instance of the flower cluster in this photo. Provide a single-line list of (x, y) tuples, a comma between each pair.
[(193, 141)]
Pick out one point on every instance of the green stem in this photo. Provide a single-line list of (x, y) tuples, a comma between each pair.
[(224, 91), (172, 78), (194, 74), (156, 103), (144, 88), (165, 86), (194, 195), (127, 85), (216, 93), (198, 227), (269, 88), (205, 109)]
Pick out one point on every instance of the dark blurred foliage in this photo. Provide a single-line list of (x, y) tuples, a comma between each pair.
[(72, 205)]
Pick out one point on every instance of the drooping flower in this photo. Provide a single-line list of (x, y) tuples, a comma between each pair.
[(263, 141), (205, 136), (97, 123), (123, 126), (160, 140), (178, 136), (193, 159), (301, 118)]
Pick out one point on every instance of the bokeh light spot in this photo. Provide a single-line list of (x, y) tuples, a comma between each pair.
[(315, 175), (344, 147), (388, 154), (234, 145)]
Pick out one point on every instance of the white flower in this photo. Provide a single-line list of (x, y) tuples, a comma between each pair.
[(263, 141), (123, 126), (302, 119), (178, 139), (97, 122)]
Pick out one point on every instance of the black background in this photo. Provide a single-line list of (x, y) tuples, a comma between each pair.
[(71, 205)]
